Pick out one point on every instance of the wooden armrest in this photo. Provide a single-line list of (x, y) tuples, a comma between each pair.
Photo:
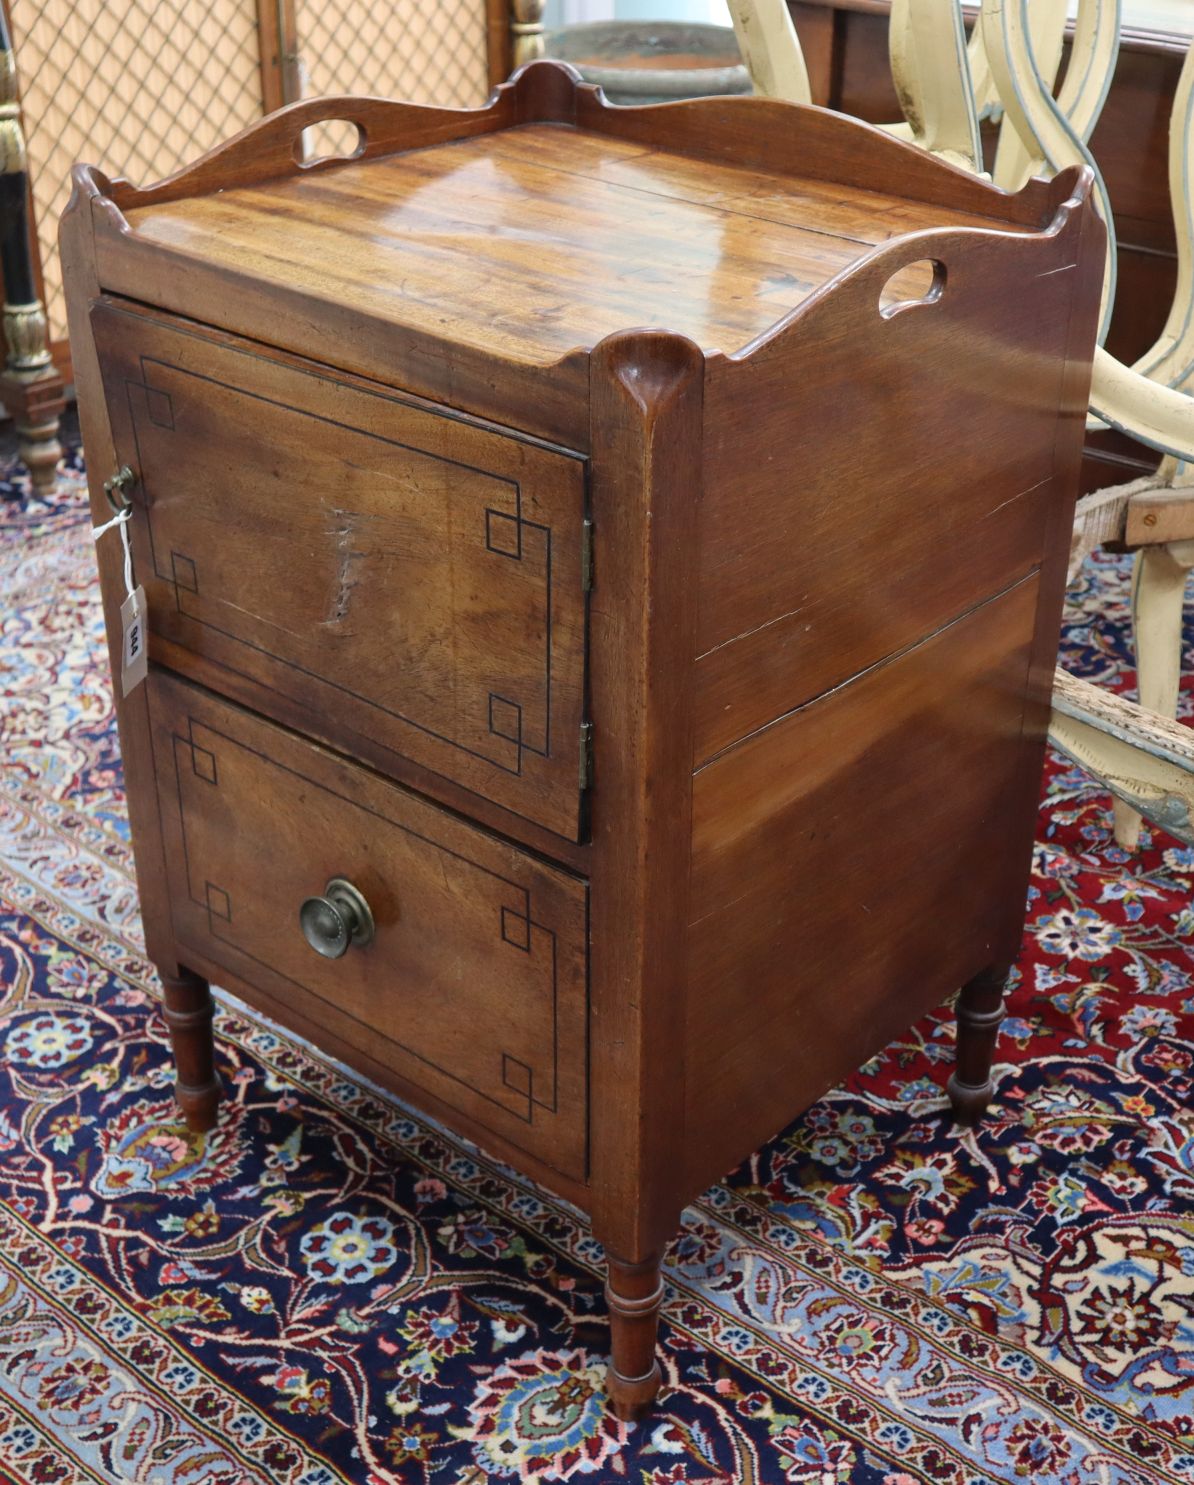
[(1145, 512), (1103, 516), (1141, 757)]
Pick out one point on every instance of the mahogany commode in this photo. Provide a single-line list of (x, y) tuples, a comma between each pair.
[(607, 737)]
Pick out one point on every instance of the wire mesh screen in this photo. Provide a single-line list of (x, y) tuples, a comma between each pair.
[(138, 87), (142, 87), (426, 53)]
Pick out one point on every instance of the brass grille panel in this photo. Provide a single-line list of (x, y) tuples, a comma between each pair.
[(138, 87), (406, 49), (143, 87)]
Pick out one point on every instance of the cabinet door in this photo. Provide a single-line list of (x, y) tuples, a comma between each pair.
[(409, 576)]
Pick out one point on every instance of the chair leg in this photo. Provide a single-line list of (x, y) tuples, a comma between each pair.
[(41, 451), (633, 1292), (1158, 596), (188, 1012), (980, 1011), (35, 403)]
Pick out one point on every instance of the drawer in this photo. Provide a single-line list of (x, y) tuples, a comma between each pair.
[(409, 576), (473, 988)]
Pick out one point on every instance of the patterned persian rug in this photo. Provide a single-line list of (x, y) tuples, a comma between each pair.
[(330, 1289)]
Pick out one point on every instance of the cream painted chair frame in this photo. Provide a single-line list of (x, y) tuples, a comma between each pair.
[(945, 85), (1148, 400)]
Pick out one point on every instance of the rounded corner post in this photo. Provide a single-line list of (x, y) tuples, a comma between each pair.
[(86, 184), (545, 91), (652, 367), (91, 193), (1070, 193), (646, 410), (1073, 185)]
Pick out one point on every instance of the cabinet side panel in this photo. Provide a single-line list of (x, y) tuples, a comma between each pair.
[(873, 472), (852, 865)]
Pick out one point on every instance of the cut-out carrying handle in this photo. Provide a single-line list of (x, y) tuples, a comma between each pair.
[(960, 268), (278, 140), (307, 152), (311, 124), (938, 264), (272, 148), (913, 286)]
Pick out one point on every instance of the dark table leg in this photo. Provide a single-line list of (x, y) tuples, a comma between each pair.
[(188, 1012), (633, 1292), (980, 1011)]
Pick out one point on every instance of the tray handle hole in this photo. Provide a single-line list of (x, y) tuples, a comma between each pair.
[(916, 284), (328, 140)]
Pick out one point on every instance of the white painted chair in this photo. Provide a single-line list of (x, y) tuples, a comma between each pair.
[(945, 86), (1149, 400)]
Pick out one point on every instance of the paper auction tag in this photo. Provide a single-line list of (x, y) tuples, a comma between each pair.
[(134, 653), (134, 661)]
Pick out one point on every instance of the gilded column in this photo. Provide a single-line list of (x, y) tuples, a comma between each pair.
[(30, 385), (526, 27)]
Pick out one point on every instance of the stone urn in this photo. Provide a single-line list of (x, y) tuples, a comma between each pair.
[(652, 61)]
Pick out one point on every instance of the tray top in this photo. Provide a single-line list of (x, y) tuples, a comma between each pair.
[(535, 241)]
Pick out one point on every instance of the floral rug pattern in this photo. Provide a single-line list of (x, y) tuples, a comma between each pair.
[(330, 1289)]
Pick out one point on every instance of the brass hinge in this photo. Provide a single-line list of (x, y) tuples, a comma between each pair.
[(586, 755), (586, 555)]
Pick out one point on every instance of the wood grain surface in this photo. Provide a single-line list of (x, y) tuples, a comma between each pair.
[(521, 234), (647, 408), (541, 240), (850, 868), (808, 621), (475, 982), (412, 577), (895, 520)]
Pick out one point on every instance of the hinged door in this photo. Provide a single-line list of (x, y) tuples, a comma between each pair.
[(410, 576)]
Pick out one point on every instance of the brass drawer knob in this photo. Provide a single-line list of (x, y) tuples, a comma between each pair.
[(337, 919)]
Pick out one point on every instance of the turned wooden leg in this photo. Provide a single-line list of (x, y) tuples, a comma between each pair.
[(1158, 598), (980, 1010), (633, 1292), (40, 449), (188, 1012)]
